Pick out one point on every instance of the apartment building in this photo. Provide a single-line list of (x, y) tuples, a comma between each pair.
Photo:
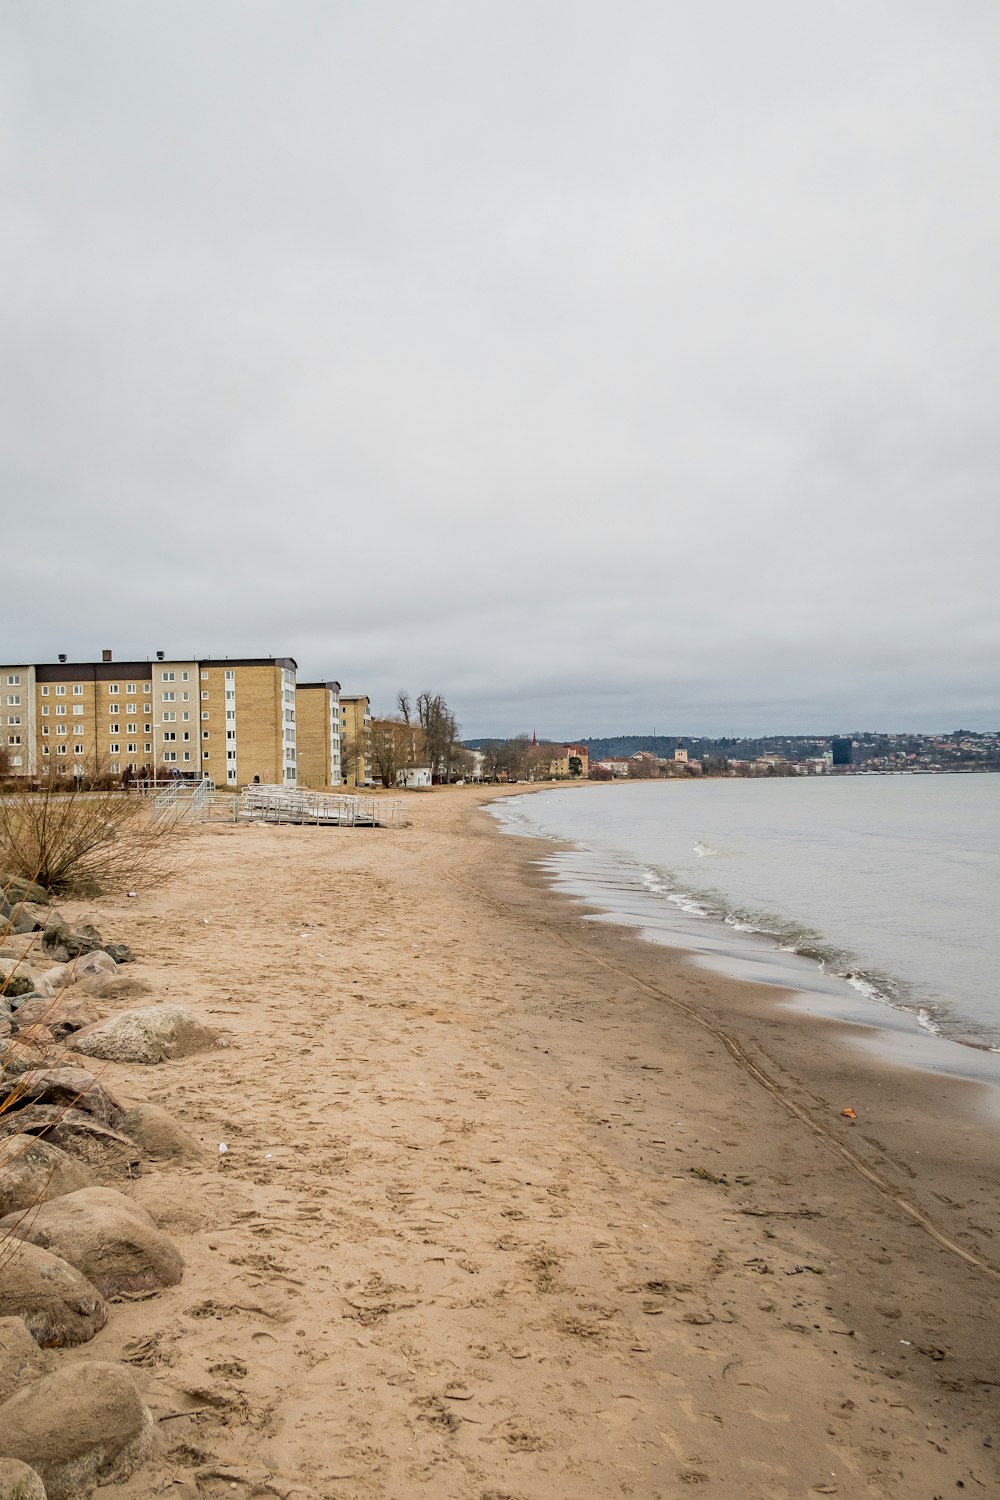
[(355, 740), (317, 731), (570, 760), (230, 719)]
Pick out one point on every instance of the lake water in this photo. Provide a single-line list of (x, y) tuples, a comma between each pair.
[(876, 899)]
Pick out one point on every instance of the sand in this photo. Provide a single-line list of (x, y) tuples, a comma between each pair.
[(516, 1205)]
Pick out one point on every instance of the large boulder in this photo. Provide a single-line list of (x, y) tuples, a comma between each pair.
[(120, 952), (32, 1171), (64, 942), (58, 1304), (16, 888), (154, 1034), (111, 1240), (70, 1088), (159, 1135), (82, 1426), (89, 964), (60, 1016), (18, 1482), (109, 1154), (21, 1359), (17, 977)]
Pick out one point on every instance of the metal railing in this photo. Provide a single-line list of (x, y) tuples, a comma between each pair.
[(281, 804)]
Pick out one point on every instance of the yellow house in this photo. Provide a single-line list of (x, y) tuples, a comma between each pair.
[(560, 764), (317, 729), (355, 740), (229, 719)]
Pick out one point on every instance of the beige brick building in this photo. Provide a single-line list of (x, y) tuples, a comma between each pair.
[(355, 740), (229, 719), (317, 730)]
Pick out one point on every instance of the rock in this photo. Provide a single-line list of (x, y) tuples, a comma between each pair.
[(72, 1088), (18, 1482), (110, 1156), (159, 1135), (58, 1304), (16, 889), (33, 1171), (21, 1359), (111, 1240), (18, 1057), (82, 1426), (65, 943), (59, 1016), (97, 962), (16, 977), (120, 952), (151, 1035)]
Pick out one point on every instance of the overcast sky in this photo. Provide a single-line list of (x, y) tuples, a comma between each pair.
[(599, 366)]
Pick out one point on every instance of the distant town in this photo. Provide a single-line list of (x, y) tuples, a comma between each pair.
[(650, 757)]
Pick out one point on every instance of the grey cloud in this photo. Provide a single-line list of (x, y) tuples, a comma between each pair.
[(590, 366)]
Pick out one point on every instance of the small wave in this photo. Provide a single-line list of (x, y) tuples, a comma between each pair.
[(703, 851)]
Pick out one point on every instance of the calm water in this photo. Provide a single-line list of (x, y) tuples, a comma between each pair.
[(877, 899)]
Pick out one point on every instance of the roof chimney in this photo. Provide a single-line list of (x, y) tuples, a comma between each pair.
[(159, 656), (62, 656), (105, 655)]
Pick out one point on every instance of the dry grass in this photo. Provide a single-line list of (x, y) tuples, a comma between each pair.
[(86, 839)]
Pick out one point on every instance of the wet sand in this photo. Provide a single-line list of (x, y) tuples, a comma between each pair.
[(517, 1205)]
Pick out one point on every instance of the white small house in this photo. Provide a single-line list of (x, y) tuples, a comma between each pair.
[(414, 778)]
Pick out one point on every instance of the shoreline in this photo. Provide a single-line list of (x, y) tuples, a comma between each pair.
[(501, 1214), (904, 1032)]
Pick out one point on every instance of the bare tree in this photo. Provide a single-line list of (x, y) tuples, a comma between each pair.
[(441, 733)]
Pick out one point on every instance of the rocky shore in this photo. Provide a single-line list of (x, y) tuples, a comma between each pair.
[(72, 1243)]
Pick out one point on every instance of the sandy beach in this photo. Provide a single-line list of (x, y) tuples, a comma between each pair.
[(516, 1205)]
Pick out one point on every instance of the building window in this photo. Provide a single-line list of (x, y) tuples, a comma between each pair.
[(61, 749), (82, 749), (205, 733), (168, 718), (204, 695), (204, 676), (168, 676), (77, 709), (133, 749), (147, 747), (168, 697), (132, 708), (115, 767), (185, 697), (45, 710), (205, 755), (205, 714), (60, 710), (130, 687), (13, 718), (132, 728), (147, 687), (170, 755), (112, 688), (170, 734), (186, 735), (15, 680), (60, 729), (45, 749), (44, 692), (147, 728), (45, 729), (113, 750), (61, 691), (113, 729), (230, 734), (187, 754), (14, 700), (13, 739), (185, 717), (184, 677)]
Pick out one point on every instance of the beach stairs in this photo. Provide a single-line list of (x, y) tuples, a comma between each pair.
[(281, 804)]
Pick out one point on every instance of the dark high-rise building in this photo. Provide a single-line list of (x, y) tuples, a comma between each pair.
[(841, 752)]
